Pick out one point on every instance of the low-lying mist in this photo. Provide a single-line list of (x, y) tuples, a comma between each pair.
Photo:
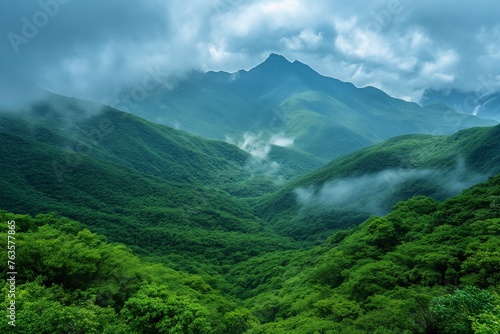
[(259, 146), (377, 193)]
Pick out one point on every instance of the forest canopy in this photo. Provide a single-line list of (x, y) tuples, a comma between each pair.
[(426, 267)]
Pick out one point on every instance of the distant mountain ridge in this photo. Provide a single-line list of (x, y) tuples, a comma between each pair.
[(485, 105), (324, 116)]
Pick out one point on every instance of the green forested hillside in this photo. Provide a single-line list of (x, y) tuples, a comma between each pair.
[(369, 181), (165, 193), (72, 281), (167, 232), (427, 267)]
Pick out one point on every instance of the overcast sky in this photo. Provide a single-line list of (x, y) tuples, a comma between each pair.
[(89, 48)]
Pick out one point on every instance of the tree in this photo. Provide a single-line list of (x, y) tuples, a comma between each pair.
[(155, 310), (488, 322), (239, 321), (454, 313)]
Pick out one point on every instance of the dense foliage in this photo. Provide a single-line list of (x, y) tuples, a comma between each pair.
[(427, 267), (72, 281)]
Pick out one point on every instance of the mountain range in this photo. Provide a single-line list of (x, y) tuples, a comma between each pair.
[(117, 171), (273, 200), (285, 100)]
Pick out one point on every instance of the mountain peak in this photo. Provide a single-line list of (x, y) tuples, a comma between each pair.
[(274, 62), (274, 57)]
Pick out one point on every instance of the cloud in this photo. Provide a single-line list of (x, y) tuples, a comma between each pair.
[(259, 146), (376, 193), (368, 193), (89, 49), (280, 139), (84, 48), (306, 39), (256, 145), (441, 68)]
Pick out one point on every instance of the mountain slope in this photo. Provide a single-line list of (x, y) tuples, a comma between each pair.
[(163, 192), (369, 181), (426, 267), (325, 117), (74, 281)]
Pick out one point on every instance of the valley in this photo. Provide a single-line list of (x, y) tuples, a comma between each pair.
[(286, 202)]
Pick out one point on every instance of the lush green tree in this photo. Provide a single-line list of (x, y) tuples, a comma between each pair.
[(239, 321), (454, 312), (487, 322), (53, 310), (156, 310), (338, 308)]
